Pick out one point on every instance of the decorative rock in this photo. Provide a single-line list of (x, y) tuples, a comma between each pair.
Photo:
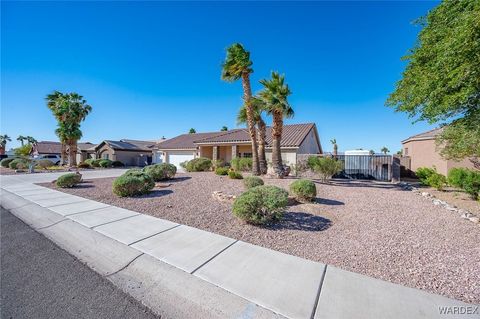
[(466, 215), (221, 196), (474, 219), (425, 194)]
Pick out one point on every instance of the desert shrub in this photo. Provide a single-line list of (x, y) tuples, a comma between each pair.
[(160, 172), (18, 163), (117, 164), (133, 183), (96, 162), (45, 163), (304, 190), (261, 204), (69, 180), (423, 173), (199, 164), (325, 167), (84, 165), (89, 161), (24, 150), (252, 181), (243, 164), (105, 163), (184, 165), (221, 171), (218, 163), (471, 184), (235, 175), (6, 161), (436, 180)]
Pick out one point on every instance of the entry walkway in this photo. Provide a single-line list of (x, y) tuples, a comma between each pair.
[(205, 274)]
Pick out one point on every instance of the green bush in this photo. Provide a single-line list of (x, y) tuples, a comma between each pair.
[(199, 164), (160, 172), (69, 180), (243, 164), (221, 171), (117, 164), (105, 163), (456, 176), (6, 161), (84, 165), (325, 167), (304, 190), (133, 183), (89, 161), (235, 175), (44, 163), (184, 165), (18, 163), (423, 173), (261, 204), (96, 162), (436, 180), (466, 179), (252, 181), (218, 163)]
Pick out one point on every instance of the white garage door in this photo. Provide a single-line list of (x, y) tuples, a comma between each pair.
[(177, 158)]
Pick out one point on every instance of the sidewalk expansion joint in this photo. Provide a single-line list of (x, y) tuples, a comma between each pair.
[(113, 221), (86, 211), (124, 267), (51, 224), (165, 230), (80, 201), (210, 259), (317, 298)]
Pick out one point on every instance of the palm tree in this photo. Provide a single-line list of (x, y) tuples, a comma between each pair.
[(371, 152), (385, 150), (259, 107), (21, 139), (31, 140), (275, 96), (237, 65), (192, 131), (3, 143), (70, 110), (224, 129), (335, 147)]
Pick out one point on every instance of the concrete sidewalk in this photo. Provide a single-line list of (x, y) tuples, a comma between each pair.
[(194, 273)]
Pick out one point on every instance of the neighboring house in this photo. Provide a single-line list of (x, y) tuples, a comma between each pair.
[(296, 139), (421, 151), (84, 149), (129, 152)]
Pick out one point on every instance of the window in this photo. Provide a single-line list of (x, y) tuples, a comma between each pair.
[(105, 156), (248, 155), (406, 151)]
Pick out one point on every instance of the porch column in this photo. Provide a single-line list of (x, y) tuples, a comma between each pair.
[(215, 153), (234, 151)]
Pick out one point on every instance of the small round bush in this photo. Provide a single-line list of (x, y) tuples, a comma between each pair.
[(252, 181), (261, 205), (6, 161), (96, 162), (69, 180), (105, 163), (84, 165), (17, 163), (133, 184), (45, 163), (221, 171), (235, 175), (436, 180), (89, 161), (304, 190), (200, 164), (117, 164), (456, 176), (423, 173), (161, 172)]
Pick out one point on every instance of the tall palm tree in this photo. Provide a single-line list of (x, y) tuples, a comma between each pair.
[(237, 65), (385, 150), (258, 107), (335, 147), (3, 143), (21, 139), (275, 96), (31, 140)]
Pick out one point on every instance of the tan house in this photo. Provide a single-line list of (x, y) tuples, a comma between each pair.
[(129, 152), (421, 151), (85, 150), (296, 139)]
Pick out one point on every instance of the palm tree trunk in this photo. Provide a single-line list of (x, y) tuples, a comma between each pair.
[(2, 149), (73, 153), (262, 133), (63, 154), (277, 128), (247, 97)]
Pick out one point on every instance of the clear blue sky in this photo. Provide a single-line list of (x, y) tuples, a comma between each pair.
[(152, 69)]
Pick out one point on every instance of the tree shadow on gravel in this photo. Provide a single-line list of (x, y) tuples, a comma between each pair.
[(178, 179), (301, 221), (330, 202), (157, 193)]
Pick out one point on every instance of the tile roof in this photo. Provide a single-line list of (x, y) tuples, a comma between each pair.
[(293, 136), (130, 145), (50, 147), (428, 135)]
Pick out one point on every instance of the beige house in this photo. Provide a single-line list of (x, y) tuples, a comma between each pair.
[(296, 139), (129, 152), (421, 151), (85, 150)]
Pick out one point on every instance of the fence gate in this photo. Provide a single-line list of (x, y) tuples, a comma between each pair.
[(377, 167)]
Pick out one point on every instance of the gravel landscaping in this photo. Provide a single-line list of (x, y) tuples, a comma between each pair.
[(376, 229)]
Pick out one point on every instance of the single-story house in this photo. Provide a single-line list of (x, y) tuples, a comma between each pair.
[(296, 139), (129, 152), (84, 149), (421, 151)]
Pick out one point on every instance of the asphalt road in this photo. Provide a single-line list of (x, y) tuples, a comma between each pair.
[(40, 280)]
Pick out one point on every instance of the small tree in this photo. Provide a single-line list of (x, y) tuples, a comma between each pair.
[(224, 129), (192, 131), (385, 150), (335, 147), (3, 143), (325, 167)]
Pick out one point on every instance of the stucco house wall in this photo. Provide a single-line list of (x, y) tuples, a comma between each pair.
[(309, 145)]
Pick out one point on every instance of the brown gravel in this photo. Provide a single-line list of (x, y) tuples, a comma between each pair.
[(457, 198), (376, 229)]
